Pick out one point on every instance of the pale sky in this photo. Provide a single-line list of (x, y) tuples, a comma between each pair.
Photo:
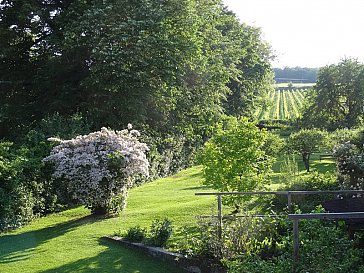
[(307, 33)]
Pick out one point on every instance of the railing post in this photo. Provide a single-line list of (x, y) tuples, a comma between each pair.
[(219, 215), (289, 197), (296, 242)]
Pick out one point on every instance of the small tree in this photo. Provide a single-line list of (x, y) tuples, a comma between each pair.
[(305, 142), (99, 167), (234, 158)]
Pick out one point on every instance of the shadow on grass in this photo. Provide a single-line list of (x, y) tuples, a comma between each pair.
[(116, 259), (16, 247)]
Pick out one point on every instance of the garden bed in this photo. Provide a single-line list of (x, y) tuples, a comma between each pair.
[(188, 264)]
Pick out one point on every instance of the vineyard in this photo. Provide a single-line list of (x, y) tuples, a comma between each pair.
[(283, 105)]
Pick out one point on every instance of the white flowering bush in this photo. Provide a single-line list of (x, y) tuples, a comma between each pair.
[(350, 165), (99, 167)]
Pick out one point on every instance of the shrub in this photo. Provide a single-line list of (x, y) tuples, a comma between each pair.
[(313, 181), (324, 247), (350, 165), (168, 153), (135, 234), (246, 234), (160, 232), (99, 167), (16, 198)]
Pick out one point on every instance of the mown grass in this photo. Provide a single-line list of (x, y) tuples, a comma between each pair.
[(326, 165), (70, 241)]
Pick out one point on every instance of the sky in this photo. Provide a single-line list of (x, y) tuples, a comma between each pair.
[(306, 33)]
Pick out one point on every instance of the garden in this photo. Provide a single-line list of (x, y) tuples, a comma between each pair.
[(113, 117)]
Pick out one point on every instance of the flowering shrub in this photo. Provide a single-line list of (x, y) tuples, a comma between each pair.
[(350, 164), (99, 167)]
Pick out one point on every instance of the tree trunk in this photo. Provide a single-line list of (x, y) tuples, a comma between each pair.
[(99, 211), (306, 161)]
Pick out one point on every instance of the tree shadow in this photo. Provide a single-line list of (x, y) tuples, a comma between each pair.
[(16, 247), (116, 259)]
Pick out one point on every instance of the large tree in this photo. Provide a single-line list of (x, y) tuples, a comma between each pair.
[(248, 90), (337, 99)]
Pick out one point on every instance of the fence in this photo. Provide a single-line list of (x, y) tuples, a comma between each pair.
[(294, 217)]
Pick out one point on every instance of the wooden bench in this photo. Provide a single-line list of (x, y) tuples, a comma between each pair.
[(347, 205)]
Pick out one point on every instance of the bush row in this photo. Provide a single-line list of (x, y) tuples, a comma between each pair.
[(27, 189)]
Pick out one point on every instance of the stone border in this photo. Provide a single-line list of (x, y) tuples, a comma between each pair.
[(187, 264)]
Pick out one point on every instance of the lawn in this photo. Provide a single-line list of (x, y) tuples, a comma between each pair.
[(70, 241)]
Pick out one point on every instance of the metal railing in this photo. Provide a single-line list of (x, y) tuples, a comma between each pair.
[(294, 217)]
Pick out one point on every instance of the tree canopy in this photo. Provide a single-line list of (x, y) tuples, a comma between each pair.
[(234, 159), (306, 142), (162, 64), (337, 99)]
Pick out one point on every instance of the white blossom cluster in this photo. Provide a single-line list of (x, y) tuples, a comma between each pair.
[(99, 166)]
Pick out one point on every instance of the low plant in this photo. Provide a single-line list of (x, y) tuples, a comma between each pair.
[(160, 232), (158, 235), (313, 181), (324, 247), (136, 234)]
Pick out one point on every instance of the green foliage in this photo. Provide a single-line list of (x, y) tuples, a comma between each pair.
[(350, 165), (312, 181), (337, 99), (254, 81), (160, 232), (305, 142), (273, 144), (27, 190), (16, 198), (288, 169), (327, 248), (324, 247), (285, 105), (234, 159), (247, 234), (158, 235), (305, 73), (135, 234)]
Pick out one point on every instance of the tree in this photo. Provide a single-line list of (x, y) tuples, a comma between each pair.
[(337, 99), (248, 90), (234, 159), (98, 168), (38, 78), (305, 142)]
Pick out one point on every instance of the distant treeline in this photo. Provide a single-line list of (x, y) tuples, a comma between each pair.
[(295, 74)]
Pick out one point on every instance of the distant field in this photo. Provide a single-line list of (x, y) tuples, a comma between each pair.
[(283, 105), (279, 85)]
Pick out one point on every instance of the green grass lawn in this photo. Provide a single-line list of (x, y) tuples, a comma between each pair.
[(326, 165), (71, 241)]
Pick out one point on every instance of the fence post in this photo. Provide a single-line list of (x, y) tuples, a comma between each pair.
[(289, 197), (219, 215)]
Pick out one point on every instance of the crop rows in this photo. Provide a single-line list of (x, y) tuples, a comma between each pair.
[(283, 105)]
